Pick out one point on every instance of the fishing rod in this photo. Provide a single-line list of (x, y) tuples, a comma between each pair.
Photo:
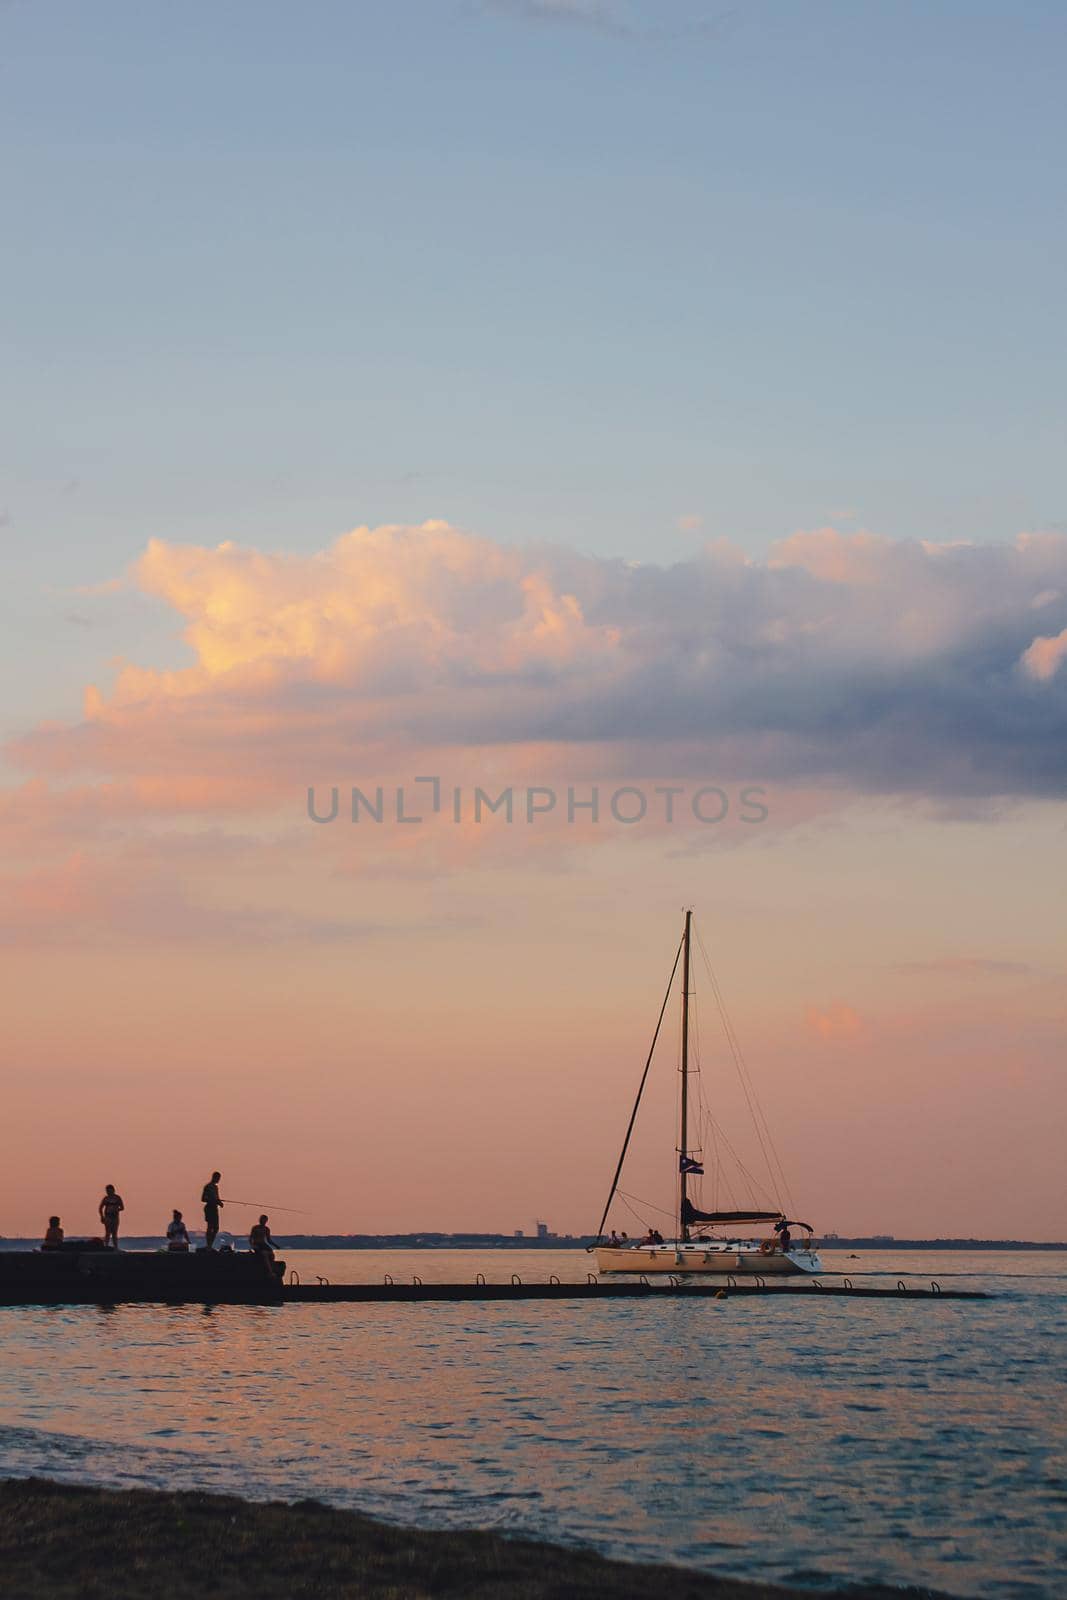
[(265, 1205)]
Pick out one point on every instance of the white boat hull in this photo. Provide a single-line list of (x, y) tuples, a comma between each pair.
[(700, 1259)]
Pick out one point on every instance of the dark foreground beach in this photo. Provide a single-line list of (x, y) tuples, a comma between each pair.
[(59, 1542)]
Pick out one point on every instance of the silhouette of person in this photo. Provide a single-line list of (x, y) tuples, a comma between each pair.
[(212, 1206), (260, 1241), (177, 1233), (53, 1239), (110, 1207)]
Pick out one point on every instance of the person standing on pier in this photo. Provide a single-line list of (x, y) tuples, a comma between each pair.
[(212, 1206), (110, 1207)]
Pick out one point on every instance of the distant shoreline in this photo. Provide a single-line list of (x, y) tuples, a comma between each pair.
[(170, 1544), (501, 1241)]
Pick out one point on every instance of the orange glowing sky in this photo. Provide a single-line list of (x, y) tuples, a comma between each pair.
[(530, 395), (440, 1024)]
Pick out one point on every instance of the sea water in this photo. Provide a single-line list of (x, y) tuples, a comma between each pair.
[(799, 1439)]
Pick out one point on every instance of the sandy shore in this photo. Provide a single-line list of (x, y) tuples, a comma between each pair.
[(64, 1543)]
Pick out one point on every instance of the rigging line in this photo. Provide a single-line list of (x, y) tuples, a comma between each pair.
[(762, 1115), (746, 1089), (749, 1181), (636, 1198), (720, 1171), (713, 1133), (759, 1120), (754, 1184), (747, 1082), (765, 1125), (697, 1082), (642, 1220), (640, 1089), (740, 1179), (724, 1176), (716, 1164), (760, 1189), (753, 1187)]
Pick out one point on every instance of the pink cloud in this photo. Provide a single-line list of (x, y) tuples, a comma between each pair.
[(1042, 659), (854, 558), (847, 663), (833, 1022)]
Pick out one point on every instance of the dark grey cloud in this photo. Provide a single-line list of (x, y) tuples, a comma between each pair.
[(848, 662), (906, 674)]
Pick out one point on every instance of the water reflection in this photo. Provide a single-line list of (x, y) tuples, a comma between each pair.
[(909, 1442)]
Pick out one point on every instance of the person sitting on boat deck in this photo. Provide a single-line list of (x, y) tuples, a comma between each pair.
[(53, 1239), (109, 1209), (177, 1233), (260, 1241), (212, 1205), (614, 1240), (785, 1238)]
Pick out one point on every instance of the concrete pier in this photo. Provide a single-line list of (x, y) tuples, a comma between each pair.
[(417, 1293), (116, 1277)]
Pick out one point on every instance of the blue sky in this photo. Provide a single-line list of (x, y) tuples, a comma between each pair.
[(552, 271), (589, 283)]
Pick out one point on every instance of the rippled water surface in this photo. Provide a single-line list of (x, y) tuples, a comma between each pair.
[(812, 1440)]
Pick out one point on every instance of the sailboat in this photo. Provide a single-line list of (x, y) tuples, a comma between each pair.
[(706, 1242)]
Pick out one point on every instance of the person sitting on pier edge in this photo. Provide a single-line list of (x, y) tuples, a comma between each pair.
[(109, 1209), (177, 1233), (53, 1239), (212, 1204), (260, 1241)]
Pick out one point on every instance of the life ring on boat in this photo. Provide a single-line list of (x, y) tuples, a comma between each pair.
[(766, 1247)]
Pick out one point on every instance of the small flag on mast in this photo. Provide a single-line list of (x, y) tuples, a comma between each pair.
[(688, 1164)]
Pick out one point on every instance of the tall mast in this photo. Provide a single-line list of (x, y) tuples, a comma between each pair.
[(683, 1225)]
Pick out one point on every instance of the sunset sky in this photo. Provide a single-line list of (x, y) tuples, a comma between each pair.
[(546, 396)]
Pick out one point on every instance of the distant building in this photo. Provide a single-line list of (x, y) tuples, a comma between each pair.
[(519, 1233), (542, 1231)]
